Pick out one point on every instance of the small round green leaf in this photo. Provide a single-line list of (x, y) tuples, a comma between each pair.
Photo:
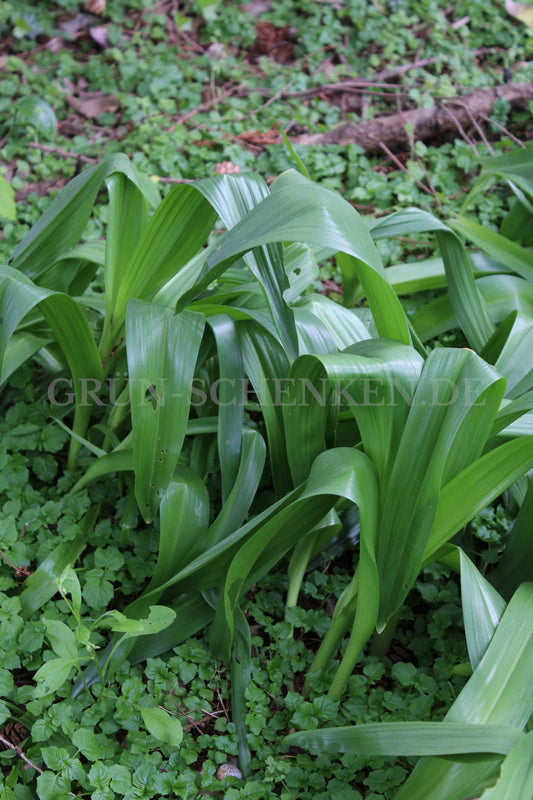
[(37, 113)]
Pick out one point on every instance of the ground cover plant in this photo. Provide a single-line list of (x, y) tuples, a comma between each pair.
[(237, 509), (227, 314)]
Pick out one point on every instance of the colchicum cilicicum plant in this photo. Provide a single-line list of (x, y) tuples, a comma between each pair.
[(192, 359)]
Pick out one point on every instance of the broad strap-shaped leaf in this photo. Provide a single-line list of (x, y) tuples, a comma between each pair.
[(453, 739), (64, 221), (475, 487), (306, 549), (21, 347), (374, 378), (184, 515), (237, 505), (175, 233), (509, 349), (467, 302), (18, 296), (516, 564), (512, 255), (516, 777), (453, 409), (229, 399), (241, 672), (127, 221), (266, 365), (233, 197), (161, 349), (344, 325), (297, 210), (429, 273), (502, 294), (482, 609), (499, 692), (342, 472)]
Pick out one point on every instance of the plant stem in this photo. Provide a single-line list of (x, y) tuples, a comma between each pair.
[(341, 622), (381, 641), (358, 638)]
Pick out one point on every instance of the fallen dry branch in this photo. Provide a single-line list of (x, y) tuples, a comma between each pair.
[(447, 116)]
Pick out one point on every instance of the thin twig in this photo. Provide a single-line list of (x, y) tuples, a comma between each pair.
[(425, 62), (190, 40), (161, 179), (478, 127), (20, 753), (203, 107), (206, 718), (18, 570), (502, 128), (460, 128), (430, 182), (404, 169), (58, 151)]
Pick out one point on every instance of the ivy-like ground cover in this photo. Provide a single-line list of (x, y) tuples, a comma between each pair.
[(97, 746)]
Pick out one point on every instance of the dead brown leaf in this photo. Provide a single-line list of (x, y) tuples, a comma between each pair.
[(226, 168), (260, 138), (78, 25), (272, 41), (95, 6), (92, 104), (257, 7)]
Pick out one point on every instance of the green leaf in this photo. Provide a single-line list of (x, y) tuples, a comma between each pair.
[(453, 409), (230, 408), (233, 197), (68, 583), (63, 222), (37, 113), (475, 487), (410, 739), (297, 210), (241, 671), (62, 639), (53, 787), (184, 514), (498, 693), (87, 743), (52, 675), (8, 209), (6, 682), (42, 585), (266, 365), (159, 618), (516, 778), (516, 564), (482, 609), (510, 254), (161, 349), (236, 507), (18, 296), (175, 233), (19, 349), (161, 725)]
